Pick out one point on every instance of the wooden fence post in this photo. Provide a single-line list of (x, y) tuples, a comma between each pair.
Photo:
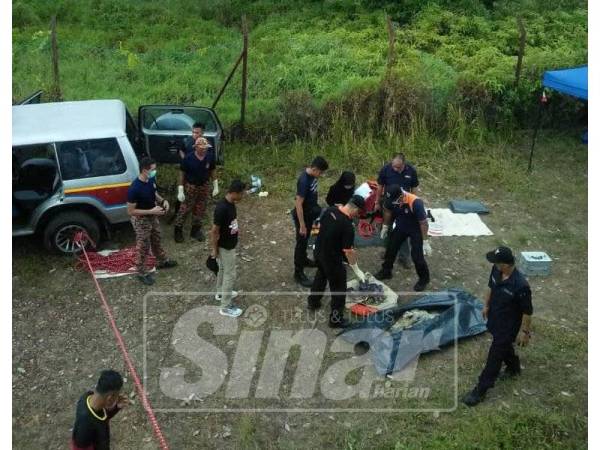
[(391, 59), (244, 75), (522, 37), (55, 94)]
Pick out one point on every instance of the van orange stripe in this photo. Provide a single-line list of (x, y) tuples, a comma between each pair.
[(94, 188)]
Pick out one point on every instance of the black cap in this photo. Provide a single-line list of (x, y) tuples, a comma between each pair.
[(393, 192), (502, 255), (358, 201), (212, 265)]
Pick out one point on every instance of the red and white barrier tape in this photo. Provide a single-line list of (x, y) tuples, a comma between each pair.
[(79, 238)]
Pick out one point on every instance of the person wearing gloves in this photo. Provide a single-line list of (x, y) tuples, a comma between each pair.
[(187, 147), (196, 170), (335, 239), (401, 173), (407, 212), (343, 189)]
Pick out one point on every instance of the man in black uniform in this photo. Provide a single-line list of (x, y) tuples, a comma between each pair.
[(95, 409), (335, 239), (408, 214), (508, 312), (397, 172), (305, 212)]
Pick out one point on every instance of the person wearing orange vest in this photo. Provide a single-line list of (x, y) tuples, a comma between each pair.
[(410, 222)]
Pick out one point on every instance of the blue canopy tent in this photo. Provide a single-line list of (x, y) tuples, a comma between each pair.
[(573, 82)]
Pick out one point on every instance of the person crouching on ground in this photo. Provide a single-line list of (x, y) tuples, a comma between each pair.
[(224, 239), (197, 169), (508, 311), (144, 206), (94, 411), (335, 239), (407, 211)]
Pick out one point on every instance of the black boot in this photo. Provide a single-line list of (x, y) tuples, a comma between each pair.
[(302, 279), (474, 397), (423, 274), (196, 233), (383, 274), (179, 234), (420, 285), (509, 374)]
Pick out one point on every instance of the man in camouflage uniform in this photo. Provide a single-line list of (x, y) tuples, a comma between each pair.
[(144, 205), (197, 169)]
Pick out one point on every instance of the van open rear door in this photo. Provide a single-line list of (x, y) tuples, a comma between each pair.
[(34, 98), (166, 128)]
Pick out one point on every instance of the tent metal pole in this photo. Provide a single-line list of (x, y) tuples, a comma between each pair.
[(535, 132)]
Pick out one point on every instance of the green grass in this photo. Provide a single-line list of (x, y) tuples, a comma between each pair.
[(313, 66)]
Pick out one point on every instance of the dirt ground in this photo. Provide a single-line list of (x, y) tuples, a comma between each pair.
[(61, 339)]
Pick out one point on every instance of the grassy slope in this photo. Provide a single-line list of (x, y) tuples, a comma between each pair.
[(143, 52)]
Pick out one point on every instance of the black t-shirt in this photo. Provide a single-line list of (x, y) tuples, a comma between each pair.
[(89, 431), (339, 195), (510, 299), (336, 234), (225, 218), (307, 189), (143, 194), (197, 171), (407, 179)]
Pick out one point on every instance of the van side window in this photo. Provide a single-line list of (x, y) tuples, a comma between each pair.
[(90, 158), (22, 154)]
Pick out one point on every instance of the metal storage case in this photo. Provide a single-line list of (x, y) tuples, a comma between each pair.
[(535, 263)]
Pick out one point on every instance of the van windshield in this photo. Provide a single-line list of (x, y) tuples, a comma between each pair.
[(168, 118)]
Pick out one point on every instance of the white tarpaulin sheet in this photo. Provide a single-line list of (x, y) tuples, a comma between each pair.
[(449, 224)]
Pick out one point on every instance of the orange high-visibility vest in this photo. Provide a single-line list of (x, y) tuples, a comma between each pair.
[(409, 198)]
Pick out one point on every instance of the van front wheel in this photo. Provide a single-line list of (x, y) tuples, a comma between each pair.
[(59, 234)]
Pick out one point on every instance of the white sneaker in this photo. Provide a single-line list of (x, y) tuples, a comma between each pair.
[(234, 294), (231, 311)]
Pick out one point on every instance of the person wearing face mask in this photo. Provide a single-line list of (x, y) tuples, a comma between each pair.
[(397, 172), (94, 411), (145, 206), (508, 311), (196, 170), (341, 192)]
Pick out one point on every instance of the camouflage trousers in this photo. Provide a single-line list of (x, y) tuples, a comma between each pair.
[(195, 201), (147, 237)]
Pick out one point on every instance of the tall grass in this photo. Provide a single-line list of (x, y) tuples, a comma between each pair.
[(317, 70)]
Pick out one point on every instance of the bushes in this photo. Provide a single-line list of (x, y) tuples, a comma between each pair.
[(316, 69)]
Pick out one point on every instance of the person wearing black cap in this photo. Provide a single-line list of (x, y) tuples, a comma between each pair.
[(407, 211), (335, 239), (508, 311), (343, 189), (305, 212)]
